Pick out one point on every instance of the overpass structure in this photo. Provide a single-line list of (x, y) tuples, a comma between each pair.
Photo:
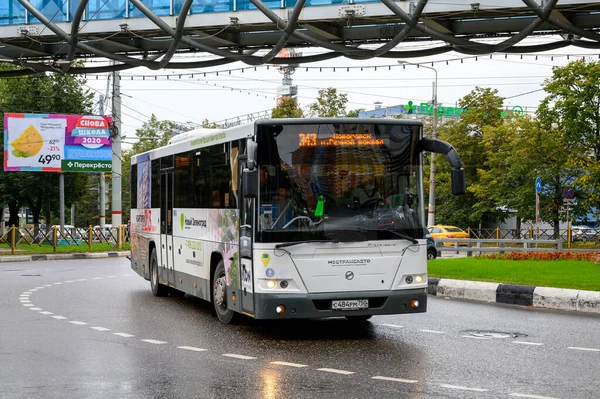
[(48, 35)]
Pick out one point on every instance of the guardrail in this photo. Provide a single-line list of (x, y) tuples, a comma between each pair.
[(68, 237), (471, 245)]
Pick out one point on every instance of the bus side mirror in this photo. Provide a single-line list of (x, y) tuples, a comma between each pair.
[(250, 183), (458, 181)]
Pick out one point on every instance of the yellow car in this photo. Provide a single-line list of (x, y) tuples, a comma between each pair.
[(441, 231)]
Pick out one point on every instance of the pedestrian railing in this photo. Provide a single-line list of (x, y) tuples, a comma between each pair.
[(79, 237), (480, 246)]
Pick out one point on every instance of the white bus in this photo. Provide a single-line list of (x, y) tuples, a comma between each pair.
[(288, 218)]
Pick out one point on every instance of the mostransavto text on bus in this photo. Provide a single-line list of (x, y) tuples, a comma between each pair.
[(288, 218)]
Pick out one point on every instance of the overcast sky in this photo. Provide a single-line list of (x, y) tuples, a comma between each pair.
[(236, 94)]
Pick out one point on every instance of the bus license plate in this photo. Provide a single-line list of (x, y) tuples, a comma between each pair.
[(350, 304)]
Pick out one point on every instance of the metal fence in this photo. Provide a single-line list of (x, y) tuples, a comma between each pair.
[(480, 246), (14, 237), (566, 235)]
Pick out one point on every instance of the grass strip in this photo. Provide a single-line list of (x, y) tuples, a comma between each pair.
[(574, 274), (48, 249)]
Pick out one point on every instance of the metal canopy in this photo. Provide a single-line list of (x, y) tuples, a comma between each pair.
[(340, 30)]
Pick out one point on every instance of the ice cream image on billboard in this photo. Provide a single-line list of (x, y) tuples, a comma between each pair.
[(28, 144)]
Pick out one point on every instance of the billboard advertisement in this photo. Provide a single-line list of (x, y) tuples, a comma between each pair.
[(57, 143)]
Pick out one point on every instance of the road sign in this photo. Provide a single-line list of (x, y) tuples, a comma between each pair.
[(568, 201), (538, 185), (568, 193)]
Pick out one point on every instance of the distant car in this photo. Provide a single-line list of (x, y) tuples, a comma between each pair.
[(431, 249), (441, 231), (584, 233)]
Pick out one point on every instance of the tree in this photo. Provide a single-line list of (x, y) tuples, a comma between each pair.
[(41, 93), (208, 125), (354, 113), (329, 104), (573, 107), (287, 108), (467, 136)]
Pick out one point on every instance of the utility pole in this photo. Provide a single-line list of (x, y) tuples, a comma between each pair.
[(116, 148), (287, 90), (102, 185)]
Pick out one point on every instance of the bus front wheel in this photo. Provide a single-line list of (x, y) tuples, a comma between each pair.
[(219, 295), (157, 288)]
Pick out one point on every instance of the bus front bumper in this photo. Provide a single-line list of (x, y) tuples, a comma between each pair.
[(299, 306)]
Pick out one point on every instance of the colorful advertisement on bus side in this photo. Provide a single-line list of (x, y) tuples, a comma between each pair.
[(57, 143)]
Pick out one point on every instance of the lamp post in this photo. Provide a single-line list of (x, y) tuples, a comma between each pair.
[(431, 213)]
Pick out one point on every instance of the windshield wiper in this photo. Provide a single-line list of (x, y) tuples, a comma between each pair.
[(289, 244), (399, 235)]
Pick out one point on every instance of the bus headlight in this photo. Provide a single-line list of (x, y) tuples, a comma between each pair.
[(271, 284), (419, 278)]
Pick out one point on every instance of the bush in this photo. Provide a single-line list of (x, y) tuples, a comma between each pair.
[(566, 255)]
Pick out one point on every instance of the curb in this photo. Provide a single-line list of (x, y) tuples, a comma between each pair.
[(80, 255), (538, 297)]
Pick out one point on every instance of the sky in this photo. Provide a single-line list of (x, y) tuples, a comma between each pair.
[(518, 78)]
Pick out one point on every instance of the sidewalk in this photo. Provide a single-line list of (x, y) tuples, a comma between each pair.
[(78, 255), (539, 297)]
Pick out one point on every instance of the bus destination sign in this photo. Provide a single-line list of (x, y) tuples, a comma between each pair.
[(338, 139)]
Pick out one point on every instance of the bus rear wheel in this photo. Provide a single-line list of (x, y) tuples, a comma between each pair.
[(219, 295), (157, 288)]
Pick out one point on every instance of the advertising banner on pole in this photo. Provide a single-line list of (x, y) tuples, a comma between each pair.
[(57, 143)]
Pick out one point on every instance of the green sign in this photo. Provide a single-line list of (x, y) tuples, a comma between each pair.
[(427, 109), (86, 166)]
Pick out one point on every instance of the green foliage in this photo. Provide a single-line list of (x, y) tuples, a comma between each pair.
[(354, 113), (48, 94), (287, 108), (208, 125), (329, 104)]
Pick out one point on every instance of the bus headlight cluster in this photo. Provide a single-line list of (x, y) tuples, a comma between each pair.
[(418, 279), (271, 284)]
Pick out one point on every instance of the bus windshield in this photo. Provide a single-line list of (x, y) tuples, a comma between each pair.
[(339, 182)]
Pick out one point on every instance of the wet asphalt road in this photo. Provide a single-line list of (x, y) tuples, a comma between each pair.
[(91, 328)]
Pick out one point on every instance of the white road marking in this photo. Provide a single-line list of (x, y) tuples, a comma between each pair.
[(433, 331), (154, 341), (527, 343), (28, 304), (48, 285), (243, 357), (125, 335), (26, 293), (392, 325), (81, 279), (100, 328), (35, 309), (111, 277), (46, 312), (97, 278), (192, 348), (463, 388), (336, 371), (69, 281), (57, 283), (59, 317), (78, 323), (472, 337), (290, 364), (394, 379), (39, 288), (524, 395), (25, 301), (584, 349)]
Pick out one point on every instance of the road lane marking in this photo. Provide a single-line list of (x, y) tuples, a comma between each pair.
[(290, 364), (39, 288), (243, 357), (392, 325), (69, 281), (345, 372), (524, 395), (583, 349), (111, 277), (472, 337), (379, 377), (35, 309), (433, 331), (97, 278), (59, 317), (78, 323), (100, 328), (25, 301), (57, 283), (26, 293), (154, 341), (527, 343), (81, 279), (46, 312), (192, 348), (124, 335), (28, 304), (48, 285), (463, 388)]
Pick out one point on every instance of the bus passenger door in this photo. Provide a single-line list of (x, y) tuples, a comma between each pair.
[(166, 226)]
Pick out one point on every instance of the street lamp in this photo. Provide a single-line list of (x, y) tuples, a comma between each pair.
[(431, 213)]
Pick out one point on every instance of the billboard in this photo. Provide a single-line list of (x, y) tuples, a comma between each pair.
[(57, 143)]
